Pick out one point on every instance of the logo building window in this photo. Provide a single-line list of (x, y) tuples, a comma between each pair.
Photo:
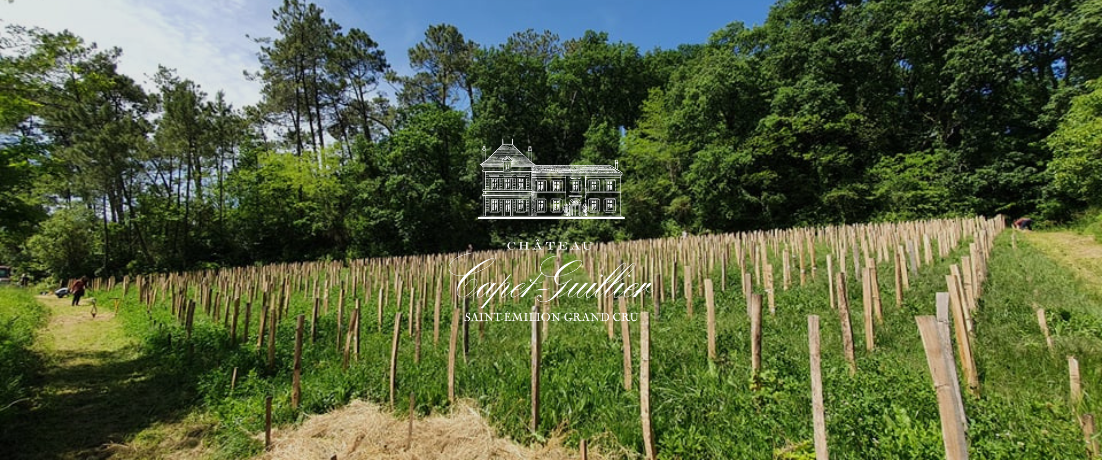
[(608, 185), (610, 205)]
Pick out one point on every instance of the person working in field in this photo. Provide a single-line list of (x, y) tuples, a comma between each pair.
[(1024, 223), (78, 289)]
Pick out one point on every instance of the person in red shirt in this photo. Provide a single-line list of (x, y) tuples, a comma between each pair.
[(78, 290)]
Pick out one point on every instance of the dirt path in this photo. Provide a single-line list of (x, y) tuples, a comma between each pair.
[(1079, 253), (95, 392)]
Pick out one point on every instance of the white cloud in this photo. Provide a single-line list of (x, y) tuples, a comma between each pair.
[(204, 40)]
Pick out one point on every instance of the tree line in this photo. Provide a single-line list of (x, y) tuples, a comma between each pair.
[(829, 112)]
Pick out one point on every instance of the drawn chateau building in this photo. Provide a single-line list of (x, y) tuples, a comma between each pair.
[(516, 188)]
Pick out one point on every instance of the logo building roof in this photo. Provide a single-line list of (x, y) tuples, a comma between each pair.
[(507, 152)]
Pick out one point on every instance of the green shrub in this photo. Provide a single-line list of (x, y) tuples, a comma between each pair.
[(20, 317)]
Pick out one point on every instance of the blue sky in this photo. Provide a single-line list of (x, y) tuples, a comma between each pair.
[(205, 40)]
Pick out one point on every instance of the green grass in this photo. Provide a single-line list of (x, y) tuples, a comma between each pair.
[(20, 318), (700, 410)]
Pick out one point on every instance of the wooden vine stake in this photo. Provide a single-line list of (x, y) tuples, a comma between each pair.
[(898, 280), (534, 421), (964, 340), (296, 376), (644, 385), (625, 336), (688, 291), (436, 311), (272, 323), (1074, 382), (710, 302), (847, 329), (394, 353), (314, 321), (1086, 422), (1041, 321), (952, 430), (866, 301), (818, 415), (944, 333), (755, 334), (451, 355), (267, 423)]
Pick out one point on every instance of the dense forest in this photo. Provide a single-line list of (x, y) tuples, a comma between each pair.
[(829, 112)]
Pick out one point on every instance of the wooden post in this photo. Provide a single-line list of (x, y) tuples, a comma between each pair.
[(625, 339), (747, 289), (245, 325), (956, 445), (770, 291), (709, 299), (1041, 321), (584, 449), (1086, 422), (818, 415), (644, 385), (847, 328), (451, 355), (945, 334), (898, 281), (1074, 382), (755, 334), (296, 376), (354, 329), (347, 346), (233, 380), (436, 311), (466, 328), (964, 340), (340, 319), (417, 322), (314, 322), (830, 281), (272, 323), (688, 291), (394, 353), (874, 283), (233, 328), (267, 423), (866, 291), (534, 421)]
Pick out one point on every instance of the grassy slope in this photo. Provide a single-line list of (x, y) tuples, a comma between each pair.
[(700, 410), (20, 317)]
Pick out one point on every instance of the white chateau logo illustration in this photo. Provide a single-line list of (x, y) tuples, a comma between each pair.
[(516, 188)]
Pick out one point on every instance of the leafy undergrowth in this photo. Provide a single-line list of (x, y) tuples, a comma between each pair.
[(699, 409), (20, 318)]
